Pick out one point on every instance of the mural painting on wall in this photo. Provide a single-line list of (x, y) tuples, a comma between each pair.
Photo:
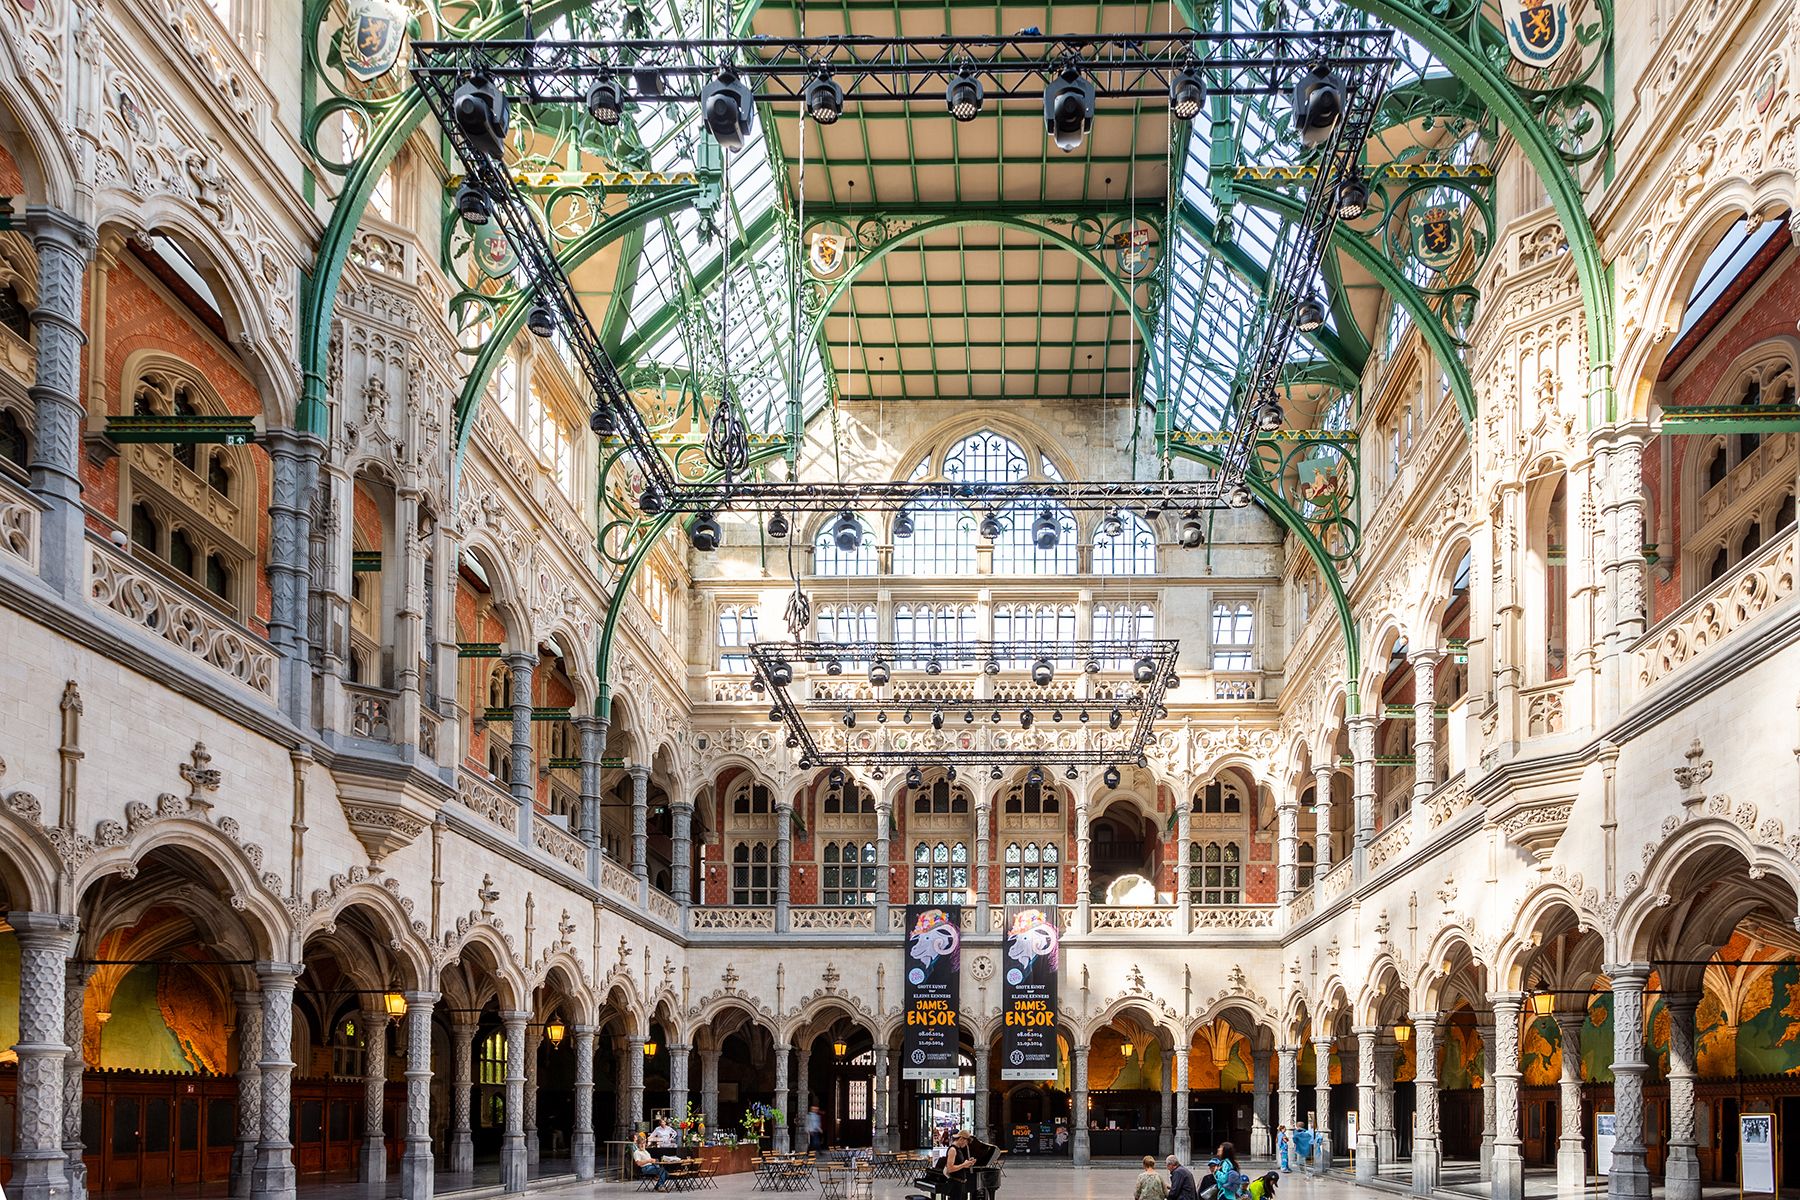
[(1110, 1068)]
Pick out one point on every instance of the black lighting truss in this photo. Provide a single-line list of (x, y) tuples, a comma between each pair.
[(908, 71), (920, 718)]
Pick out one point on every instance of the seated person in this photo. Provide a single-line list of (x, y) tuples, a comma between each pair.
[(646, 1163)]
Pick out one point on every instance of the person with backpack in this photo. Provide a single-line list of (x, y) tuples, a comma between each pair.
[(1231, 1181)]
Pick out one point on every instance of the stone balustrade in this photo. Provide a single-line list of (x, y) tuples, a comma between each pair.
[(1692, 632), (560, 844), (19, 511), (478, 795)]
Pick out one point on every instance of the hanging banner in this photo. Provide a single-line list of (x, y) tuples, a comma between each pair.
[(1756, 1154), (933, 979), (1033, 957)]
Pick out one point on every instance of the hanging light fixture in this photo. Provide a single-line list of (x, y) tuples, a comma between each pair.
[(915, 778), (839, 1048), (1238, 495), (849, 718), (1042, 672), (606, 100), (650, 1048), (1114, 718), (1187, 92), (1144, 670), (1110, 777), (847, 532), (937, 717), (903, 524), (994, 773), (990, 526), (1353, 195), (778, 525), (824, 99), (1127, 1049), (482, 114), (728, 109), (394, 1003), (1309, 315), (1071, 774), (1318, 105), (879, 673), (541, 319), (1069, 108), (781, 672), (705, 533), (1114, 524), (1026, 717), (555, 1030), (1044, 533), (602, 422), (1543, 1003), (1191, 531), (472, 204), (964, 95), (1270, 417), (1403, 1034)]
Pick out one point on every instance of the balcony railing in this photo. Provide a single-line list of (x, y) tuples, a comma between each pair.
[(480, 796), (809, 918), (561, 845), (1237, 916), (731, 920), (1390, 843), (617, 879), (1105, 917), (371, 713), (1695, 629), (19, 511)]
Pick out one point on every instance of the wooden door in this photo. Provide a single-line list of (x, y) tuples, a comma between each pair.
[(187, 1153)]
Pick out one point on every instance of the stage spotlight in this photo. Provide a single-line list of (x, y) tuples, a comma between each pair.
[(1114, 524), (915, 778), (834, 667), (778, 525), (1069, 109), (1026, 718), (1187, 93), (824, 99), (1353, 196), (1114, 718), (847, 532), (1269, 417), (878, 774), (879, 674), (602, 422), (805, 763), (1318, 105), (849, 718), (1144, 670), (1044, 533), (994, 772), (950, 774), (964, 96), (792, 741), (903, 525), (781, 672), (937, 718), (1034, 776), (1238, 495), (934, 667), (994, 716), (1111, 777), (482, 112), (775, 715), (1309, 314), (650, 501), (1042, 672), (605, 100), (1172, 682), (1191, 532), (472, 204), (705, 533), (992, 667), (1071, 774), (990, 527), (729, 110), (541, 320)]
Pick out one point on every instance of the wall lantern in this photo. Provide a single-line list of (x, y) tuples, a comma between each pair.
[(1127, 1049), (1543, 1003), (1403, 1034), (395, 1004), (838, 1048), (555, 1031), (650, 1049)]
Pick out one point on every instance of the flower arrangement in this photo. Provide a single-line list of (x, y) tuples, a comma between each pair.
[(692, 1126), (759, 1116)]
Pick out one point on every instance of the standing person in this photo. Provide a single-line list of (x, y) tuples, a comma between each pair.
[(1281, 1147), (1150, 1185), (1230, 1180), (815, 1129), (663, 1137), (959, 1166), (1181, 1181)]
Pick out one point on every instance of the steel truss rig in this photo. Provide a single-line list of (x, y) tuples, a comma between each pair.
[(473, 86), (868, 717)]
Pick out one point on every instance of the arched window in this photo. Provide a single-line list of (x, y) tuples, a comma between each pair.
[(850, 799), (15, 443), (1215, 873), (940, 873), (181, 551), (1233, 635), (218, 473), (1124, 622), (499, 763), (15, 314), (347, 1049), (146, 530), (752, 876), (1308, 860), (829, 560), (1016, 551), (1219, 796), (986, 457), (1032, 875), (942, 541), (218, 576), (845, 623), (491, 1061), (737, 629), (1033, 797), (941, 797), (1129, 551), (848, 875), (1034, 623), (749, 796), (927, 625)]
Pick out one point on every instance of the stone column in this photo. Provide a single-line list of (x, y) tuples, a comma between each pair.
[(884, 816), (249, 1091), (1484, 1024), (1503, 1067), (796, 1113), (634, 1084), (1386, 1137), (1287, 1061), (1624, 571), (587, 826), (1425, 1157), (1322, 1102), (983, 1093), (1184, 838), (1262, 1140), (1287, 847), (294, 460), (64, 246), (1078, 1096), (524, 773), (983, 856), (709, 1088), (462, 1086), (780, 1132), (534, 1041), (417, 1165), (784, 862), (1362, 778), (581, 1144), (513, 1170), (1084, 860), (1321, 822), (1681, 1173), (678, 1081), (373, 1166), (1165, 1129), (74, 1029), (880, 1130), (623, 1125), (46, 940), (274, 1178), (1571, 1153), (681, 852), (1365, 1101), (1184, 1138), (640, 822), (1424, 665)]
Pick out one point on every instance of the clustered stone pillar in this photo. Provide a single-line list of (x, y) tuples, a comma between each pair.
[(534, 1038), (373, 1167), (1425, 1105), (709, 1088), (74, 995), (40, 1165), (1571, 1155), (274, 1178), (1503, 1062), (1321, 821), (1078, 1108), (634, 1084), (1362, 778), (1287, 847), (1484, 1024), (417, 1164), (678, 1081), (581, 1142), (1165, 1129), (1084, 860), (1681, 1171), (1184, 895), (982, 1094), (784, 862), (1184, 1139), (1262, 1142), (983, 856), (524, 776), (780, 1132), (884, 815), (681, 852), (802, 1079), (640, 822), (462, 1142), (1386, 1146), (1287, 1059), (64, 245), (593, 752), (513, 1170), (1630, 1177), (881, 1099), (1322, 1101), (249, 1092), (1424, 665), (1365, 1102)]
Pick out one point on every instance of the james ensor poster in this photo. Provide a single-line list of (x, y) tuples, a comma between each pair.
[(1033, 956), (933, 970)]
